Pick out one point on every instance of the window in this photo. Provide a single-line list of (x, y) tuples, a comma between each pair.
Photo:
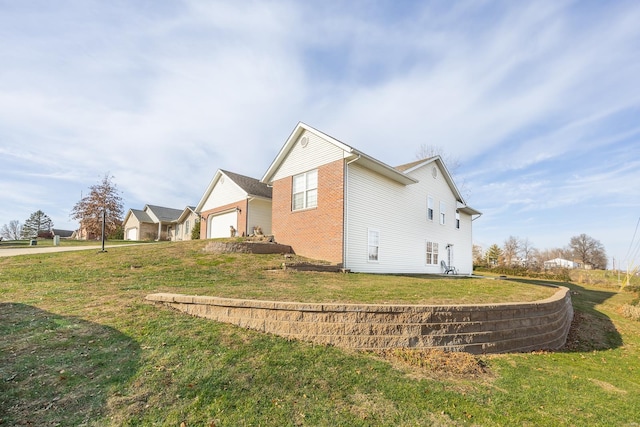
[(457, 219), (432, 253), (305, 190), (430, 208), (186, 227), (443, 211), (374, 245)]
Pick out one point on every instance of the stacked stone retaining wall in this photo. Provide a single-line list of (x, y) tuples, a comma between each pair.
[(478, 329)]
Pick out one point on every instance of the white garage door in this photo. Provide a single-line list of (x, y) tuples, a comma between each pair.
[(219, 224), (132, 234)]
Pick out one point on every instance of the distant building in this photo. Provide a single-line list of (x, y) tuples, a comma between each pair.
[(560, 263)]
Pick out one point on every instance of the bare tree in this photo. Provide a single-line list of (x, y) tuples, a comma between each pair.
[(511, 250), (13, 231), (478, 255), (527, 252), (589, 250), (427, 151), (103, 197)]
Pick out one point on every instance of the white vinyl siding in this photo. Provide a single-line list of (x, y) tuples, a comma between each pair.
[(224, 193), (301, 159), (430, 208), (374, 245), (259, 215), (398, 212), (305, 190)]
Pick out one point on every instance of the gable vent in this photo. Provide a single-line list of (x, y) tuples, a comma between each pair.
[(304, 141)]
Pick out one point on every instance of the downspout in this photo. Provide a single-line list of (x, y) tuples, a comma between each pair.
[(345, 210), (246, 217)]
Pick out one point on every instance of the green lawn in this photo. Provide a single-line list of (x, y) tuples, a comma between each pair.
[(79, 346)]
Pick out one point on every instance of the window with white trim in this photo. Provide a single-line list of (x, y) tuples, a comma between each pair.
[(458, 219), (430, 208), (432, 253), (186, 227), (443, 212), (305, 190), (374, 245)]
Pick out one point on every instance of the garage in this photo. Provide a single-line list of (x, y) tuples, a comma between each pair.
[(132, 234), (219, 224)]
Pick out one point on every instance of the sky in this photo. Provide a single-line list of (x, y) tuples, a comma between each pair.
[(538, 102)]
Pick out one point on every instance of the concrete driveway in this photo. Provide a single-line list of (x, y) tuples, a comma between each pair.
[(43, 250)]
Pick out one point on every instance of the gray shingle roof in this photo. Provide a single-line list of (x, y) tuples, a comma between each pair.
[(408, 166), (165, 214), (141, 215), (252, 186)]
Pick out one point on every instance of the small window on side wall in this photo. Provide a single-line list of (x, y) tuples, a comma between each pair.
[(443, 213), (430, 208), (374, 245), (458, 219)]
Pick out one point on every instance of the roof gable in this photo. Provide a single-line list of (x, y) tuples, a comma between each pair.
[(250, 186), (349, 153)]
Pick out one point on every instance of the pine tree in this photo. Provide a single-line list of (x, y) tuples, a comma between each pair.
[(494, 254), (37, 222), (103, 197)]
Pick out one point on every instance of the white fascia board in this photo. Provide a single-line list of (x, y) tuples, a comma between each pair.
[(284, 151), (208, 191), (382, 168), (447, 175), (467, 209)]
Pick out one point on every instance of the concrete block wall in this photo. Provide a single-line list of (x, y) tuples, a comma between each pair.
[(477, 329)]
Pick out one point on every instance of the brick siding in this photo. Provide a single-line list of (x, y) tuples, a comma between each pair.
[(317, 232), (242, 217)]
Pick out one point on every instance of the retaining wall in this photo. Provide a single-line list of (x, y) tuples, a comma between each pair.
[(478, 329)]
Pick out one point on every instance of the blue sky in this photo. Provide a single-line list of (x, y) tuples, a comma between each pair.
[(539, 101)]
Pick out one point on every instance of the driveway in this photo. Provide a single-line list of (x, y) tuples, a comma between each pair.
[(43, 250)]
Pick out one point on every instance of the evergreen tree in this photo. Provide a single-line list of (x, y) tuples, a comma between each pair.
[(195, 231), (37, 222), (494, 255), (103, 197)]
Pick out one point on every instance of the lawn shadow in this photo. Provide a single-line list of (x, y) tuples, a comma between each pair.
[(591, 329), (58, 370)]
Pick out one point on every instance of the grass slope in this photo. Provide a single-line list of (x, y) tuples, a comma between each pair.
[(79, 346)]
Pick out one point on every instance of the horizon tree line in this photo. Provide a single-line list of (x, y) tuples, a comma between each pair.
[(520, 252)]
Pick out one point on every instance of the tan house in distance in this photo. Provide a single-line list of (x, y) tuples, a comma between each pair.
[(151, 223), (184, 224)]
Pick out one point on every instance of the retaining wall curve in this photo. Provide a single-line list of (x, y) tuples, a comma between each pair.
[(478, 329)]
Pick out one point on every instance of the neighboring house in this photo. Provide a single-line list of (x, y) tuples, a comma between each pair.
[(233, 200), (335, 203), (560, 263), (185, 223), (64, 234), (150, 223)]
